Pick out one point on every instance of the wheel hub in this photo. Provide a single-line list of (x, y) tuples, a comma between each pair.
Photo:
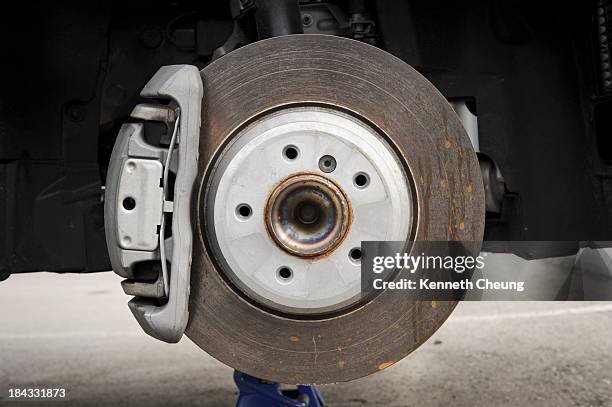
[(307, 215), (318, 181)]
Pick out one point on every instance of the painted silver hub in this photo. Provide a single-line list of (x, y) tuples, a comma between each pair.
[(293, 196)]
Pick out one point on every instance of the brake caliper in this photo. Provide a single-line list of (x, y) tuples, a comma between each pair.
[(148, 198)]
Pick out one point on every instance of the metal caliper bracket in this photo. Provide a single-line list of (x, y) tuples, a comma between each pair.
[(136, 204)]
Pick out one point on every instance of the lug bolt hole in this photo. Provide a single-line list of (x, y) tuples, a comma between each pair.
[(361, 180), (129, 203), (355, 254), (284, 274), (291, 152), (243, 211), (327, 163)]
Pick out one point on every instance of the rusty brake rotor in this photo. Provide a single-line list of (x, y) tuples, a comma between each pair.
[(309, 145)]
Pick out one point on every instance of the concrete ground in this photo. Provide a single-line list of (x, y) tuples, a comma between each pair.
[(75, 331)]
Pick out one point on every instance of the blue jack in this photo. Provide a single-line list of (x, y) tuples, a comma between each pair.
[(254, 392)]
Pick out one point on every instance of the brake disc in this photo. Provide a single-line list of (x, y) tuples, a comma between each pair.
[(310, 145)]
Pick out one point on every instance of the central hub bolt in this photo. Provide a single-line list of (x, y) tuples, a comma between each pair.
[(307, 215)]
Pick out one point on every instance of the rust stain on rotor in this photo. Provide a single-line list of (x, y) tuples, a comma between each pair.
[(386, 365)]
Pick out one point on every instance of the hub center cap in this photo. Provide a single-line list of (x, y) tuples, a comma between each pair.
[(307, 215)]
